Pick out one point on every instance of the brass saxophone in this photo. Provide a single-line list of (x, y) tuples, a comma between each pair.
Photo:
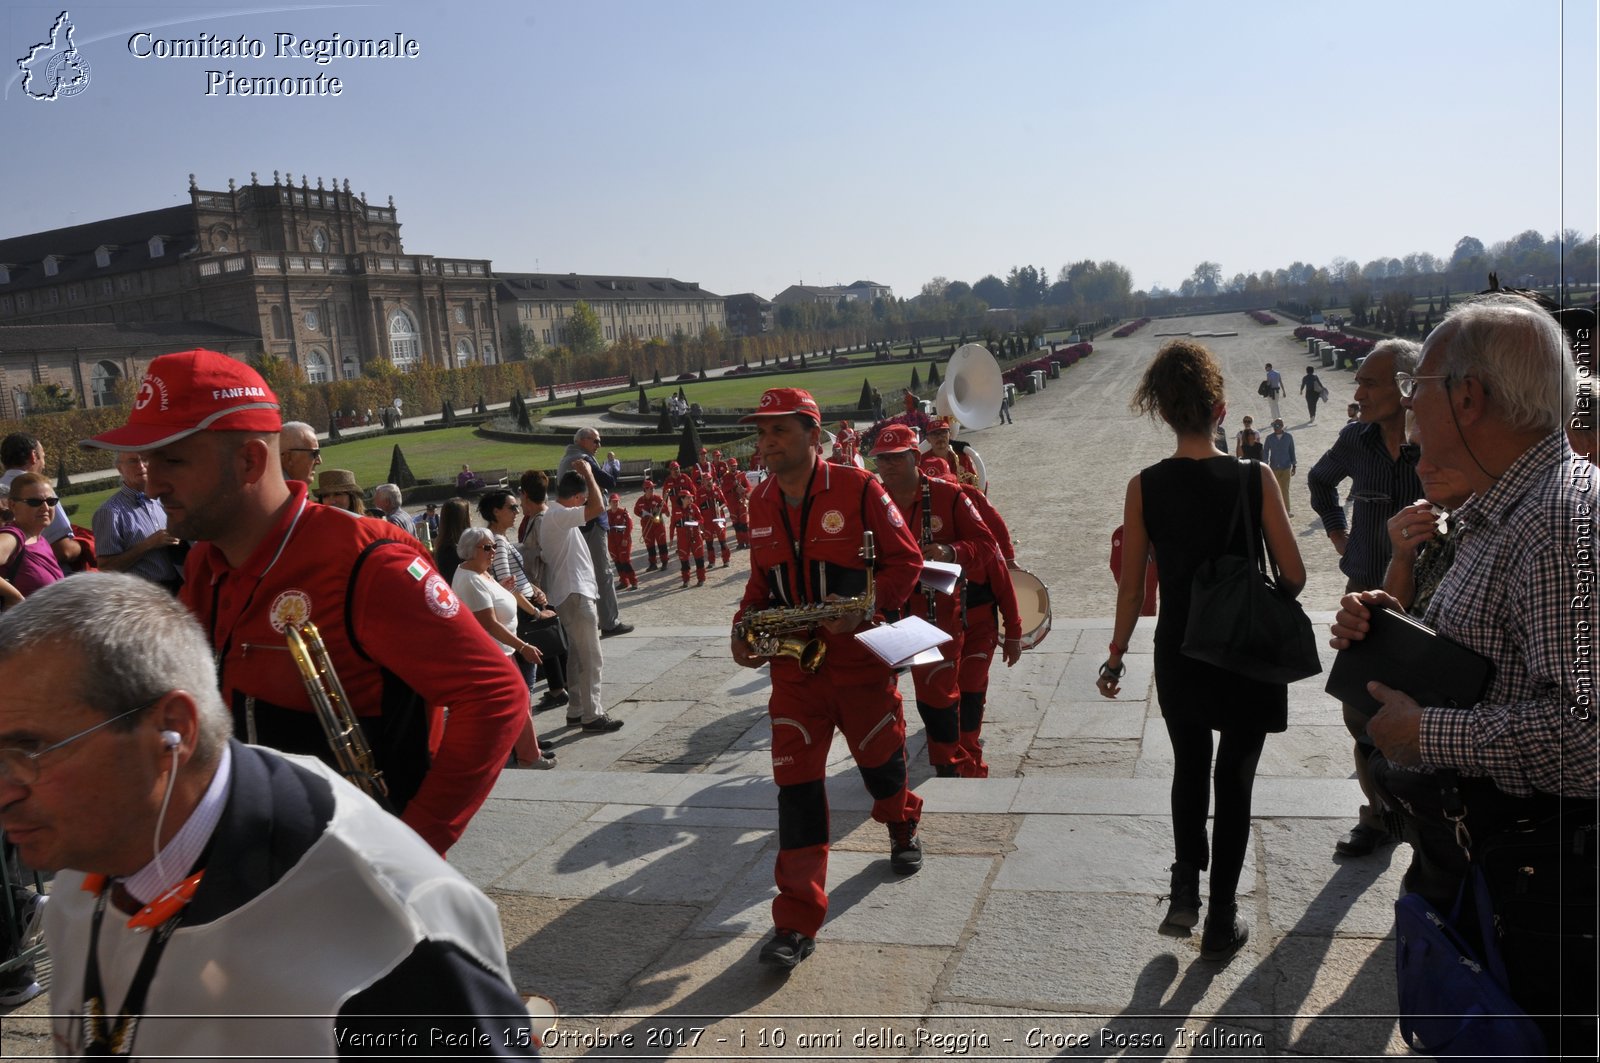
[(332, 706), (785, 631)]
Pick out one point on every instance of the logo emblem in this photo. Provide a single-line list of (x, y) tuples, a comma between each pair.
[(54, 69), (147, 391), (440, 598), (833, 522), (936, 524), (292, 607)]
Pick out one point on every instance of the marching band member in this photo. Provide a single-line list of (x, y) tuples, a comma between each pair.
[(651, 509), (808, 521), (735, 494), (619, 543), (690, 535), (708, 499), (938, 435), (950, 530)]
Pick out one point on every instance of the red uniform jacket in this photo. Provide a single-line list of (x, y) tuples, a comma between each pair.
[(651, 511), (619, 535), (843, 502), (955, 523), (690, 533), (392, 626)]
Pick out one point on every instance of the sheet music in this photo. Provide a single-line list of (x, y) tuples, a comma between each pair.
[(896, 644), (941, 576)]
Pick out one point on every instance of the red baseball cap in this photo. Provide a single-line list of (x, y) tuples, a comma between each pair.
[(937, 468), (189, 392), (939, 424), (894, 439), (614, 497), (649, 485), (780, 402)]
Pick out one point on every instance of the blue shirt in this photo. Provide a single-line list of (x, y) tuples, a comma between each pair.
[(1278, 449), (123, 521)]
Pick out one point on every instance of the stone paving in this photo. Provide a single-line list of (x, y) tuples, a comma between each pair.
[(634, 881)]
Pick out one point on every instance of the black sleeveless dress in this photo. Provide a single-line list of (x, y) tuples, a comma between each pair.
[(1188, 505)]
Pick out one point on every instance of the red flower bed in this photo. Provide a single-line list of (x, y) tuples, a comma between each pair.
[(1263, 317), (1356, 346), (1130, 328)]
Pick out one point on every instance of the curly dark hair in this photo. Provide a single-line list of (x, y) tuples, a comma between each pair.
[(1183, 386), (492, 500)]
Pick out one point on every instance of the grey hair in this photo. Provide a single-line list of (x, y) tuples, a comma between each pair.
[(134, 643), (583, 435), (1407, 355), (297, 426), (1517, 351), (391, 491), (470, 540)]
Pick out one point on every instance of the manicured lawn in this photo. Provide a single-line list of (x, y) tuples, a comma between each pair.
[(830, 387)]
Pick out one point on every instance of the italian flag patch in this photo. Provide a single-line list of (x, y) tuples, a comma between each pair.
[(417, 569)]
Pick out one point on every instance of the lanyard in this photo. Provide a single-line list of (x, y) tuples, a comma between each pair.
[(116, 1039), (797, 542)]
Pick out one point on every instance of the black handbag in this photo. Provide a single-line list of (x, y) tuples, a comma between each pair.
[(1239, 618), (544, 632)]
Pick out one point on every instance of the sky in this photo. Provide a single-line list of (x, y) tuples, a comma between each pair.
[(753, 145)]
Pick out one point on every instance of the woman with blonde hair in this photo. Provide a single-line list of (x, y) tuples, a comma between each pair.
[(1184, 509), (26, 560)]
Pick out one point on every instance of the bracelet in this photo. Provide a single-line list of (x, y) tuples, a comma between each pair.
[(1108, 672), (1120, 651)]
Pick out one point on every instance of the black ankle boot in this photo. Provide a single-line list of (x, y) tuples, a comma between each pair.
[(1225, 932), (1183, 913)]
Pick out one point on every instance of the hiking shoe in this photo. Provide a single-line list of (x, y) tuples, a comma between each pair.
[(905, 848), (551, 701), (603, 725), (1183, 909), (786, 949), (1225, 933), (620, 629), (1363, 841)]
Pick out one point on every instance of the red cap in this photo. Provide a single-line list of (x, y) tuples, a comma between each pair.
[(194, 391), (615, 497), (649, 485), (939, 424), (894, 439), (780, 402), (938, 468)]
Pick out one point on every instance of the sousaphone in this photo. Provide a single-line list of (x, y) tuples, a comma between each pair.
[(970, 396)]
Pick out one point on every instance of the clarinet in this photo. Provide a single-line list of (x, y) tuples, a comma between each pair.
[(927, 540)]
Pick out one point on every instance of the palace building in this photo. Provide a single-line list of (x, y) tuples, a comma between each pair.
[(317, 275)]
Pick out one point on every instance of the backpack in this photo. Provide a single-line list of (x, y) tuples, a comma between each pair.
[(1264, 390)]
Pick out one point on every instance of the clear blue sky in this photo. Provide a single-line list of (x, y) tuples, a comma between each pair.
[(753, 145)]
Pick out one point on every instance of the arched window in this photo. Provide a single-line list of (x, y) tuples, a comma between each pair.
[(463, 352), (103, 383), (318, 368), (350, 366), (404, 347)]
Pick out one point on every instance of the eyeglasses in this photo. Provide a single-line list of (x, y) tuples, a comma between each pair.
[(1410, 453), (37, 502), (315, 452), (511, 506), (21, 768), (489, 548), (1407, 382)]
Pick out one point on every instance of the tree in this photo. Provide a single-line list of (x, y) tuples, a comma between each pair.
[(992, 290), (51, 398), (582, 332), (1207, 278)]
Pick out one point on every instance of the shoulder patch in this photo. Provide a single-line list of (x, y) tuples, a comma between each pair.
[(894, 511), (417, 570), (440, 598)]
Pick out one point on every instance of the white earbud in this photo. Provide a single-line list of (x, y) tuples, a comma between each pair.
[(171, 740)]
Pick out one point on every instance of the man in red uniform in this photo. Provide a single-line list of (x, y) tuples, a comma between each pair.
[(950, 530), (736, 494), (939, 446), (676, 483), (651, 509), (713, 525), (808, 524), (619, 542), (988, 591), (266, 557), (690, 535)]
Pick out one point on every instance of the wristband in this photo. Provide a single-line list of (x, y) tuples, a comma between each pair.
[(1120, 651)]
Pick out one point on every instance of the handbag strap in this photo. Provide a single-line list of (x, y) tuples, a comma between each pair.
[(1257, 550)]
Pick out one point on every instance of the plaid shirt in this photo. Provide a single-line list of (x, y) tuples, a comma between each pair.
[(1520, 592), (1381, 487)]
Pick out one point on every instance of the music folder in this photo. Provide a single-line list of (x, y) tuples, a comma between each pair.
[(1409, 656), (904, 643)]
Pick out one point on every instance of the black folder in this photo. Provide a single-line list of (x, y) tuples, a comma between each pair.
[(1402, 653)]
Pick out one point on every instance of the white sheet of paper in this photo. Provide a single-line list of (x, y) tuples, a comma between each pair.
[(941, 576), (897, 643)]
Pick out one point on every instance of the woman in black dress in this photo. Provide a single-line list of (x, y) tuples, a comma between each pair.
[(1183, 508)]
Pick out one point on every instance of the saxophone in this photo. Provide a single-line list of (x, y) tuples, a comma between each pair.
[(351, 753), (785, 631)]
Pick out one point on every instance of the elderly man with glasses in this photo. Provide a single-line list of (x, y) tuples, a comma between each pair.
[(299, 452), (1368, 454), (1490, 401), (211, 894), (130, 530)]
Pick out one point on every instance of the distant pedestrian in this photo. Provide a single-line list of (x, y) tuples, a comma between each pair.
[(1278, 449), (1311, 387), (1274, 390)]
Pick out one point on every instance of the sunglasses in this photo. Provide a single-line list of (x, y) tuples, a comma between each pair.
[(37, 502), (488, 548), (315, 452)]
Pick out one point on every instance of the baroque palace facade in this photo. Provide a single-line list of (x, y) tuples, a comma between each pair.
[(318, 274)]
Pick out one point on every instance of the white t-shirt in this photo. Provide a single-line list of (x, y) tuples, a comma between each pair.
[(568, 566), (480, 592)]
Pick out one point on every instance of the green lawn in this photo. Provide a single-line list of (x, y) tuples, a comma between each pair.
[(830, 387)]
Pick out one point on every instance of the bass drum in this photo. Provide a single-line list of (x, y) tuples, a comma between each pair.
[(1033, 603)]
